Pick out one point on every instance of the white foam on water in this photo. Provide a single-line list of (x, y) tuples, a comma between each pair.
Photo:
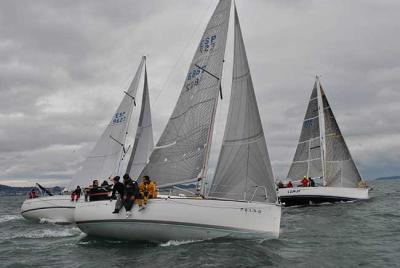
[(5, 218), (49, 233), (178, 243)]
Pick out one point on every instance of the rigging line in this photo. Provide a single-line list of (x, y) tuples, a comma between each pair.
[(180, 57)]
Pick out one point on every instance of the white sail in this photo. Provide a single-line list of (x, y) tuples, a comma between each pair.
[(244, 162), (340, 169), (144, 143), (307, 160), (182, 151), (104, 159)]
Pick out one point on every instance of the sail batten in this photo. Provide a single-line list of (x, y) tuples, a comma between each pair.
[(182, 150), (104, 159), (243, 164)]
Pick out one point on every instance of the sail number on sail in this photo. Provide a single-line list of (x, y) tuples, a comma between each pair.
[(208, 43), (119, 117)]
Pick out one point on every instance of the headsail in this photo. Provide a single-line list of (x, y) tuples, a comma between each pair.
[(182, 151), (243, 162), (340, 169), (307, 160), (104, 159), (144, 143)]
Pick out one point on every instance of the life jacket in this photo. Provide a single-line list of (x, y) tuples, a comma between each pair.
[(150, 188), (304, 182)]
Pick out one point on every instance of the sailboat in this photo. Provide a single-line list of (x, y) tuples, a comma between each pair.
[(322, 154), (247, 207), (106, 157)]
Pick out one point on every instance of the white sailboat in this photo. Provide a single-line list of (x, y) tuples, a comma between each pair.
[(105, 158), (181, 156), (323, 155)]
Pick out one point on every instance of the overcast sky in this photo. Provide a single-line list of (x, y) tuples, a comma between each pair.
[(65, 64)]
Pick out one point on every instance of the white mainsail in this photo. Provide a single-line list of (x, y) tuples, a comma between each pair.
[(182, 151), (144, 143), (104, 159), (322, 151), (244, 162), (307, 159)]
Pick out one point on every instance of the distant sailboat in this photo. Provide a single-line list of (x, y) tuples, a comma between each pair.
[(181, 156), (323, 155), (105, 158)]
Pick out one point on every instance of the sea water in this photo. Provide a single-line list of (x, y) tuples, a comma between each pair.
[(353, 234)]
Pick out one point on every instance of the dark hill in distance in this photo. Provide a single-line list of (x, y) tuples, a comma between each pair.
[(388, 178), (10, 190)]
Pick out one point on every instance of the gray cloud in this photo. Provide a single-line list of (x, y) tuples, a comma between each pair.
[(64, 65)]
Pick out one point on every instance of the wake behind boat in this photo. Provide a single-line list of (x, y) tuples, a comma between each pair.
[(239, 204), (105, 158), (322, 154)]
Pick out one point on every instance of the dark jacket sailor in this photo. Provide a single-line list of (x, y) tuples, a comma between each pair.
[(131, 193), (118, 193)]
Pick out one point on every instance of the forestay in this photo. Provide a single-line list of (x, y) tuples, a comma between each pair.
[(144, 143), (307, 160), (182, 151), (104, 159), (244, 162), (340, 169)]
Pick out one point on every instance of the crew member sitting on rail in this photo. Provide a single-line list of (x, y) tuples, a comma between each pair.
[(131, 194), (117, 193), (76, 194), (312, 182), (32, 194), (304, 182), (96, 193), (289, 185), (148, 189)]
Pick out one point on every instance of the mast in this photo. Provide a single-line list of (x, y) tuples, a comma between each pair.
[(321, 128)]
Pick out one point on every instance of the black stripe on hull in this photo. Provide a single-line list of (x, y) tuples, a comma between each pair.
[(288, 201), (33, 209)]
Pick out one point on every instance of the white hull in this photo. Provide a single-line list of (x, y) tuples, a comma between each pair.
[(307, 195), (58, 209), (180, 219)]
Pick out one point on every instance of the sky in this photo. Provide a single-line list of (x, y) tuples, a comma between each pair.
[(65, 64)]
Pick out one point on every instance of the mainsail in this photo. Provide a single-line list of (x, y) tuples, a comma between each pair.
[(340, 169), (104, 159), (182, 151), (144, 143), (307, 159), (322, 151), (244, 162)]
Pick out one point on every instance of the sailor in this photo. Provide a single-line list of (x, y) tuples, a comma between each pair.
[(289, 185), (312, 182), (280, 185), (131, 194), (148, 189), (117, 193), (304, 182), (76, 194), (105, 185), (32, 194)]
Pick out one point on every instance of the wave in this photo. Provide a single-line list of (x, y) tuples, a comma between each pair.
[(6, 218), (48, 233), (178, 243)]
